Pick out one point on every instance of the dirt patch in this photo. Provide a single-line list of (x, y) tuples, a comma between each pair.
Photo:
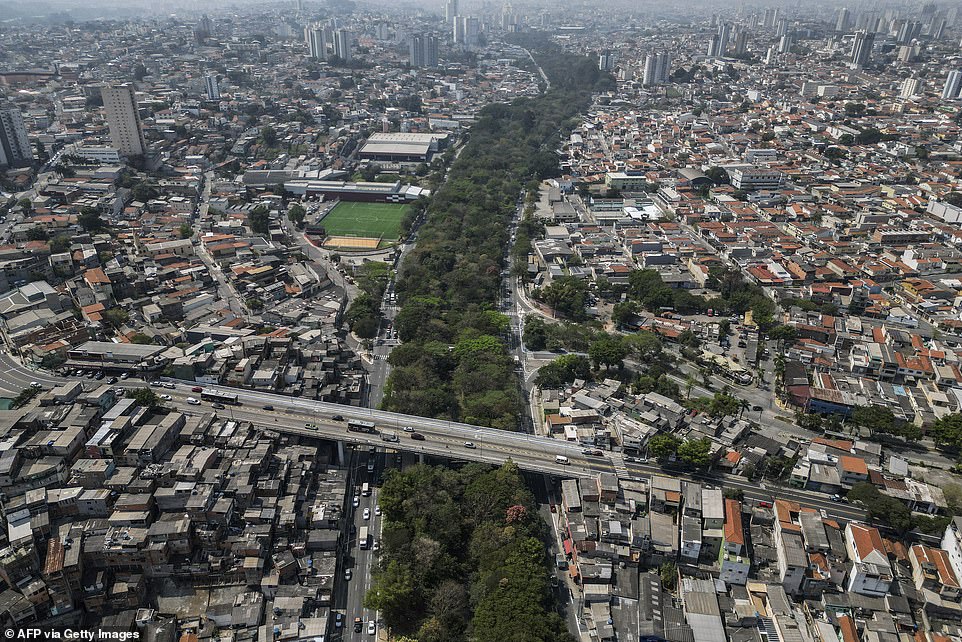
[(352, 242)]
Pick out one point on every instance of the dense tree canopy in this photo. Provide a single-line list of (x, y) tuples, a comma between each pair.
[(696, 452), (879, 420), (89, 219), (947, 433), (882, 508), (296, 214), (563, 371), (566, 296), (718, 175), (144, 397), (432, 585), (449, 282), (663, 447), (259, 219)]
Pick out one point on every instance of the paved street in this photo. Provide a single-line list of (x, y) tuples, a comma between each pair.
[(225, 290), (349, 598)]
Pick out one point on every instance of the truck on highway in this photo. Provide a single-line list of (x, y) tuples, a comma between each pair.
[(366, 489), (363, 538)]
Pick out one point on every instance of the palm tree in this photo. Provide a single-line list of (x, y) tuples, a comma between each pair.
[(705, 376), (689, 384), (743, 405)]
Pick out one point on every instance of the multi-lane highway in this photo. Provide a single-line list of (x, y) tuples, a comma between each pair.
[(442, 439), (358, 561)]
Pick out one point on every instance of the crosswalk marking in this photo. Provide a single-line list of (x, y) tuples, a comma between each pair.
[(618, 459)]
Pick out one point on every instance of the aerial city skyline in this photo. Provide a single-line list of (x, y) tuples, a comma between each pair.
[(473, 321)]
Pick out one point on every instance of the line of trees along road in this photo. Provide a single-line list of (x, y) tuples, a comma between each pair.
[(454, 362)]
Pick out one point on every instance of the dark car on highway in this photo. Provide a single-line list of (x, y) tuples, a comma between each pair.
[(416, 436)]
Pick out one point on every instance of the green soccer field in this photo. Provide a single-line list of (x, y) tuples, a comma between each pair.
[(365, 220)]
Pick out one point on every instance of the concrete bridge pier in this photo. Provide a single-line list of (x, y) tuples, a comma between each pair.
[(341, 455)]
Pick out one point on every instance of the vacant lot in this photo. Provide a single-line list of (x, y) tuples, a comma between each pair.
[(365, 220)]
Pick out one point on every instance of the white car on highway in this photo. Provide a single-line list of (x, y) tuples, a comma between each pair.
[(367, 513), (193, 401), (166, 397)]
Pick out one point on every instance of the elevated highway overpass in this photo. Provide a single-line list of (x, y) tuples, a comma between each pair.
[(304, 418)]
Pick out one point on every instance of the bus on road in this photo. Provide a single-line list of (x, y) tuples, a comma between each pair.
[(356, 425), (363, 539), (219, 397)]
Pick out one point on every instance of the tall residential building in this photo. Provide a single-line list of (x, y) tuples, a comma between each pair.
[(953, 83), (724, 35), (509, 19), (450, 11), (342, 44), (713, 46), (664, 66), (910, 87), (424, 51), (14, 145), (213, 91), (771, 15), (781, 28), (844, 19), (868, 21), (316, 38), (472, 32), (937, 30), (908, 53), (909, 31), (457, 31), (126, 133), (203, 29), (606, 61), (656, 69), (741, 42), (785, 43), (862, 48), (466, 31)]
